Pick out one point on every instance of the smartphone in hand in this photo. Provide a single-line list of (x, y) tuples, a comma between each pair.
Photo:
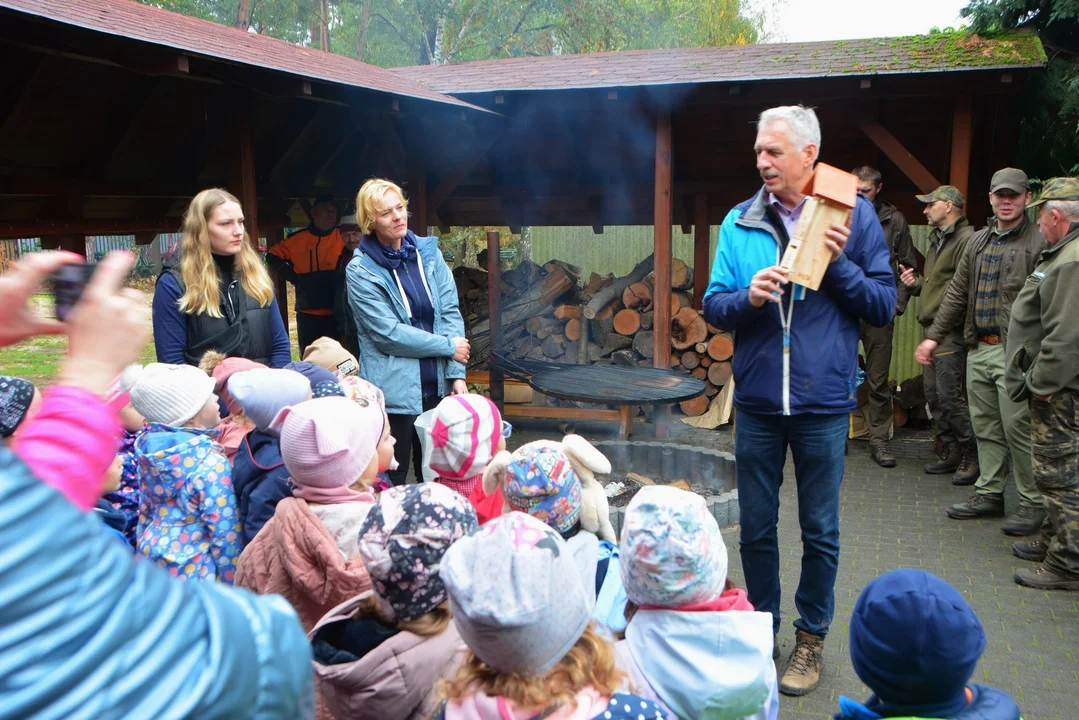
[(68, 284)]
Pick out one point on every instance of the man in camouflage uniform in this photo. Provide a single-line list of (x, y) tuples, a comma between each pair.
[(1043, 369), (877, 342)]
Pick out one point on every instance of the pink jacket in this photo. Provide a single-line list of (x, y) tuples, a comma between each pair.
[(295, 556), (397, 679), (232, 432), (71, 442)]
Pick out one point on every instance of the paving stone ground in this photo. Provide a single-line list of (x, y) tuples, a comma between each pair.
[(895, 518)]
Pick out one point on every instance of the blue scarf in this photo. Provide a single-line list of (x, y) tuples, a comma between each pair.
[(388, 257)]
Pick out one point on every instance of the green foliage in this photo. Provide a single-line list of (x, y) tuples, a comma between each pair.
[(1049, 135)]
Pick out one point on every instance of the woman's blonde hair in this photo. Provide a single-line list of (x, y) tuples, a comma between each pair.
[(370, 201), (589, 663), (201, 293), (429, 625)]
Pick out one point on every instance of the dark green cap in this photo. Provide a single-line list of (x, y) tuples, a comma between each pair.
[(948, 193), (1059, 188), (1012, 179)]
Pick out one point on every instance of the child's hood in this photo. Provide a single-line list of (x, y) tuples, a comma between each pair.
[(167, 454), (708, 665), (590, 704)]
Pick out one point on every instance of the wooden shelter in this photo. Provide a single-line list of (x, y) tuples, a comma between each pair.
[(664, 137), (113, 114)]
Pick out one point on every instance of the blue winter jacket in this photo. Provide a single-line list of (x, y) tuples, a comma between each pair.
[(90, 632), (261, 480), (818, 376), (988, 703), (389, 345)]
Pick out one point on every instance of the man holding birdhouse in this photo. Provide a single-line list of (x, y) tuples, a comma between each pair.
[(992, 271), (796, 355)]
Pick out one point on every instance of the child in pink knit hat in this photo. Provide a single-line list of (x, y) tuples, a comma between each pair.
[(467, 431), (333, 448)]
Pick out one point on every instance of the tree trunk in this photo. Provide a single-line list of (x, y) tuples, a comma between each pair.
[(567, 312), (624, 358), (690, 360), (700, 373), (720, 347), (646, 320), (573, 329), (627, 322), (365, 21), (554, 346), (710, 390), (719, 373), (681, 274), (614, 342), (637, 295), (243, 15), (687, 328), (694, 406), (643, 344), (606, 295)]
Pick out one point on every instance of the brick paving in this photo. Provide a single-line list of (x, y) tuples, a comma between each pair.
[(895, 518)]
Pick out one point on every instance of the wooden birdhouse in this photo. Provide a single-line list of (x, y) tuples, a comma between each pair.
[(832, 194)]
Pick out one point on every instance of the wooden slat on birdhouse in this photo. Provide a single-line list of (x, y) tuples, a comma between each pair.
[(833, 194)]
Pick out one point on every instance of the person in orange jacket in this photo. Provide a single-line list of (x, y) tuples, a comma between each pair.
[(307, 258)]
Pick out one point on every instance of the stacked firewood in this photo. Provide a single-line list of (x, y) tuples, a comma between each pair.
[(550, 313)]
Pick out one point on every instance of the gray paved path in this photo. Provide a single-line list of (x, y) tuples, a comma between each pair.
[(895, 518)]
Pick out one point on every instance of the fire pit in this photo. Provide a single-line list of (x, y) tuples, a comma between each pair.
[(709, 473)]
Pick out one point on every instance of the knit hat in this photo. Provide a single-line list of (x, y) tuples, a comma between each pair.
[(521, 596), (402, 542), (358, 389), (167, 394), (312, 372), (349, 221), (329, 354), (671, 551), (915, 641), (539, 480), (221, 368), (464, 436), (16, 396), (327, 388), (263, 393), (326, 445)]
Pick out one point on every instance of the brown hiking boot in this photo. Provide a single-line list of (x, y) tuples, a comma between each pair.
[(1032, 550), (1040, 578), (967, 472), (805, 665), (947, 464), (882, 456)]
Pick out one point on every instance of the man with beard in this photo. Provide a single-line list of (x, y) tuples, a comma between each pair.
[(796, 355), (990, 275)]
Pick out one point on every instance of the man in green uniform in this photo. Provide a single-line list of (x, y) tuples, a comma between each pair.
[(1043, 370)]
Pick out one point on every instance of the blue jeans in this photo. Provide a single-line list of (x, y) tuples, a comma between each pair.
[(817, 443)]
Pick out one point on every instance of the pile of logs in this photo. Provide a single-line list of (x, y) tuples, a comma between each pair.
[(549, 313)]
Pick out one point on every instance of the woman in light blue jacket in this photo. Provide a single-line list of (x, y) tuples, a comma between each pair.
[(408, 323)]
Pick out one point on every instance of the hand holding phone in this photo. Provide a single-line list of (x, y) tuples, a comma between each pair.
[(69, 282)]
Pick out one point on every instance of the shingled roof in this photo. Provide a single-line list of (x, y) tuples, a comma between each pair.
[(940, 52), (129, 19)]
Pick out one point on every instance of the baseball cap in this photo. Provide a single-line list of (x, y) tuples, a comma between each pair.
[(946, 193), (1058, 188), (1012, 179)]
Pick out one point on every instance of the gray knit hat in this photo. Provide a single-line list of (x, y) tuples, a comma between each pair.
[(167, 394), (264, 393), (521, 596)]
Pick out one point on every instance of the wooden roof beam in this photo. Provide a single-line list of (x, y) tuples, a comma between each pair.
[(17, 94), (121, 120), (904, 159)]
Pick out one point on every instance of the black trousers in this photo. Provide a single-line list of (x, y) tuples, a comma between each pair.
[(310, 328), (408, 448)]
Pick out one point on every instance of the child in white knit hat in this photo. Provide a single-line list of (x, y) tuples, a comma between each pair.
[(188, 521), (694, 643)]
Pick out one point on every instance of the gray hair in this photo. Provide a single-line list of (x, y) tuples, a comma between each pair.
[(1068, 208), (802, 121)]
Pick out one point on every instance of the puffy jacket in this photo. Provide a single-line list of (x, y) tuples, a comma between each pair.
[(188, 519), (307, 259), (369, 671), (390, 347), (946, 248), (294, 556), (818, 374), (988, 703), (1025, 243), (703, 665), (590, 705), (260, 479), (89, 632)]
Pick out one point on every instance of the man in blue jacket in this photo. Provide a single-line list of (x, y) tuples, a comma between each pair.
[(796, 354)]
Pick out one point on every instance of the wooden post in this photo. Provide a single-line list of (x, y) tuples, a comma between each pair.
[(417, 194), (241, 167), (962, 125), (494, 313), (661, 294), (701, 268), (275, 235)]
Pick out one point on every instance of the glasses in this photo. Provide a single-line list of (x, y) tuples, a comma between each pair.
[(507, 429)]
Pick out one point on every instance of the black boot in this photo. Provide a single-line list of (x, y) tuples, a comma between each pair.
[(967, 472), (949, 463)]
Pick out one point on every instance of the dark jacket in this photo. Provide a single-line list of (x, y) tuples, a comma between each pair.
[(91, 632), (342, 309), (307, 259), (988, 703), (946, 247), (261, 480), (245, 330), (900, 247), (1043, 336), (1021, 255), (860, 285)]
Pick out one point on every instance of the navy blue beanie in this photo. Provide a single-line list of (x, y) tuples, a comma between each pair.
[(312, 372), (915, 642)]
